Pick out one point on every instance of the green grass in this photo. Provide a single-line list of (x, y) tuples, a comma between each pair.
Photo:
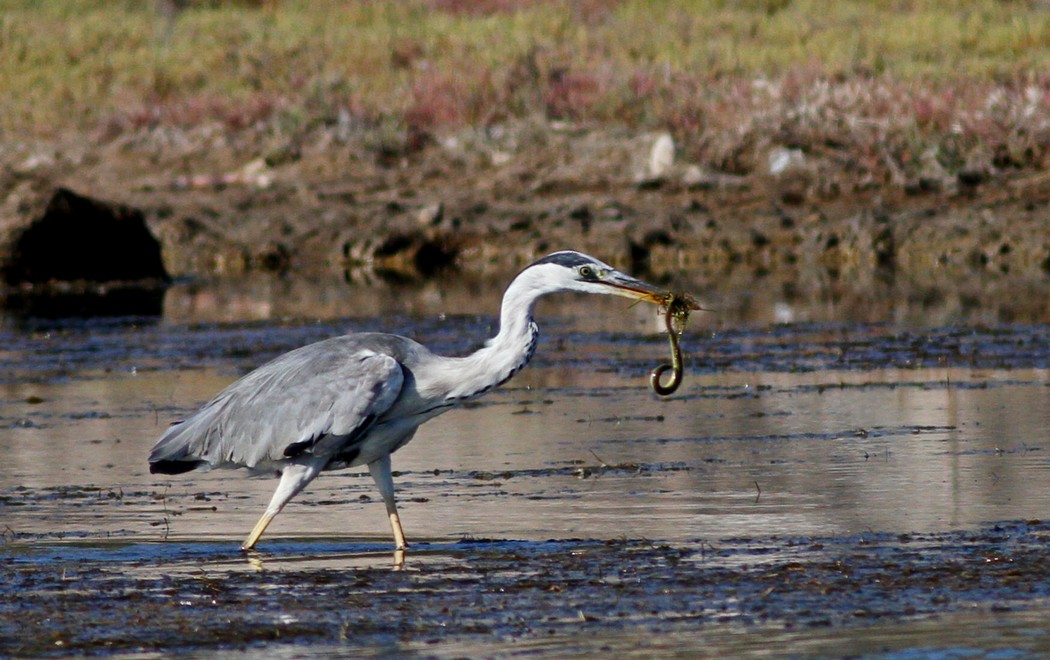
[(923, 69)]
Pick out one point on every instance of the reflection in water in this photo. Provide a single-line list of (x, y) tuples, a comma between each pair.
[(762, 301), (262, 296), (94, 302)]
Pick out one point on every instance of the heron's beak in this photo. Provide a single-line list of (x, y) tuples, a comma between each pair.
[(628, 287)]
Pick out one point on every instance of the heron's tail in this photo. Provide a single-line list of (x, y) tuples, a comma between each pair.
[(173, 453), (173, 467)]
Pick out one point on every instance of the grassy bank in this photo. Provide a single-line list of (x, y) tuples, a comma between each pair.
[(891, 90)]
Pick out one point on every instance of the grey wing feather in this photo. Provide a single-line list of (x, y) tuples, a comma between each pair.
[(312, 400)]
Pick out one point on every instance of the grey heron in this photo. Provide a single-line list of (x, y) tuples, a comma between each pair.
[(355, 399)]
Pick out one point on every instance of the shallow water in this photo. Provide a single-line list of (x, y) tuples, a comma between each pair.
[(597, 456), (877, 476)]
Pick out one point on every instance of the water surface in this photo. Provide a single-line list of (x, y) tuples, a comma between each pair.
[(879, 474)]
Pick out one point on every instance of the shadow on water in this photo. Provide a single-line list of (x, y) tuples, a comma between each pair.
[(851, 474)]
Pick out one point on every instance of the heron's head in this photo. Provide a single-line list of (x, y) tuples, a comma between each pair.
[(573, 271)]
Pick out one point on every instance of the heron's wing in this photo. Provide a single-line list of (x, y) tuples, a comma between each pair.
[(376, 383), (318, 400)]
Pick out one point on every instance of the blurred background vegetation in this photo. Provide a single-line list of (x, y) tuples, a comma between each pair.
[(882, 80)]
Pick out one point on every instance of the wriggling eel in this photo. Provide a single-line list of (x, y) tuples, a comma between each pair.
[(677, 307)]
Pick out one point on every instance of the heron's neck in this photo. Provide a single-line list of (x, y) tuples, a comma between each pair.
[(505, 354)]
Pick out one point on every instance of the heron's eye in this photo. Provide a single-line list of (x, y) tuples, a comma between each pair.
[(586, 272)]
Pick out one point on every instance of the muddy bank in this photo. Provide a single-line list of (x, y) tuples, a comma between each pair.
[(484, 203), (106, 597)]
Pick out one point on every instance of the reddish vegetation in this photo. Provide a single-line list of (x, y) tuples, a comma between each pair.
[(871, 131)]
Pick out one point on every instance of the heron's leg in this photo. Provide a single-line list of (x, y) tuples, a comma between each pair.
[(294, 477), (380, 469)]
